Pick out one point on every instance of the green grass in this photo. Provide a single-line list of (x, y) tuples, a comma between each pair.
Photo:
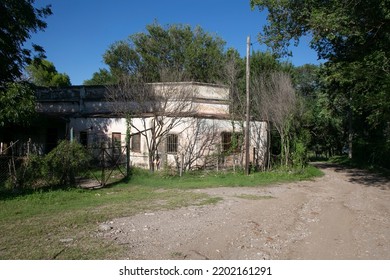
[(198, 180), (34, 225)]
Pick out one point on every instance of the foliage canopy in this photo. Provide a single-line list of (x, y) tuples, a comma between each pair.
[(17, 103), (354, 38), (196, 54), (18, 20), (43, 73)]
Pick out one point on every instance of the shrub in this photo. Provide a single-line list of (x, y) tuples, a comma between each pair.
[(299, 155), (67, 161)]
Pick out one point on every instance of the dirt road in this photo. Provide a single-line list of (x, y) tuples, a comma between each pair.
[(343, 215)]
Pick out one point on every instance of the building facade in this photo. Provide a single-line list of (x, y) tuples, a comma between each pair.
[(178, 124)]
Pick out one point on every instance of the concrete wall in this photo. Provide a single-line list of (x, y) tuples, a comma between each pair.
[(92, 100)]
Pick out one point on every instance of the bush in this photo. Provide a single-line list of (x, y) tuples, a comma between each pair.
[(299, 155), (67, 161)]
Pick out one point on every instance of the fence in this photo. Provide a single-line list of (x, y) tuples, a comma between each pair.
[(107, 165)]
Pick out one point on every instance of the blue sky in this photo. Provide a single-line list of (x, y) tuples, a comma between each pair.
[(80, 31)]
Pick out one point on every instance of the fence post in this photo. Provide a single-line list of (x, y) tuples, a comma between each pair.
[(12, 168), (102, 150), (181, 164), (127, 159)]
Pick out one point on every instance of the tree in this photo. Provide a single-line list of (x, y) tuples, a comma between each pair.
[(353, 37), (103, 77), (152, 110), (18, 20), (261, 65), (275, 101), (199, 144), (17, 103), (306, 80), (340, 29), (43, 73), (194, 53), (324, 113)]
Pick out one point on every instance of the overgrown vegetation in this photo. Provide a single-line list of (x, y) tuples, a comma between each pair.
[(60, 167)]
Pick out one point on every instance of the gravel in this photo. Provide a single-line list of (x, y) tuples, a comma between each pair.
[(342, 215)]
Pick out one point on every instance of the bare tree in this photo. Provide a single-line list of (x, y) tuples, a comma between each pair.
[(260, 141), (199, 143), (274, 100), (158, 107)]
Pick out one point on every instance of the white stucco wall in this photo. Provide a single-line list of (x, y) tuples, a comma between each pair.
[(190, 131)]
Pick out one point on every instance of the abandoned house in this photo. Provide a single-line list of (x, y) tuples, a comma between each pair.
[(186, 123)]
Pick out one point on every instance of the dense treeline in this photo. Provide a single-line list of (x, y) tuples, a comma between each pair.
[(352, 103)]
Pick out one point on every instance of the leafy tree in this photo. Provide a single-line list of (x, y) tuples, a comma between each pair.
[(306, 79), (264, 62), (322, 118), (43, 73), (103, 77), (195, 53), (340, 29), (17, 103), (18, 20), (353, 36)]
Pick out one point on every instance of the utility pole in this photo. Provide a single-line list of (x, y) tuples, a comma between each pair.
[(247, 126)]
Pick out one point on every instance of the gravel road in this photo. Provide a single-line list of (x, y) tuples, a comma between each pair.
[(342, 215)]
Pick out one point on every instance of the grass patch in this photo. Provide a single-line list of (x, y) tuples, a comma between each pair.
[(197, 180), (63, 223), (33, 225)]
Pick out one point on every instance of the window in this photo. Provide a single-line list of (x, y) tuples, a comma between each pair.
[(172, 143), (136, 143), (231, 142), (116, 139), (116, 143), (84, 138)]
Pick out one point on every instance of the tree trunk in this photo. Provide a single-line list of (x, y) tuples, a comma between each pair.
[(268, 145)]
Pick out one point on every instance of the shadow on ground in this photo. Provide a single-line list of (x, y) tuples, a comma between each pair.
[(358, 176)]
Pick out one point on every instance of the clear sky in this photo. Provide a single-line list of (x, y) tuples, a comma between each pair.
[(80, 31)]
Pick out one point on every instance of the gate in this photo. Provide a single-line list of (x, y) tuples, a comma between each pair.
[(108, 165)]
